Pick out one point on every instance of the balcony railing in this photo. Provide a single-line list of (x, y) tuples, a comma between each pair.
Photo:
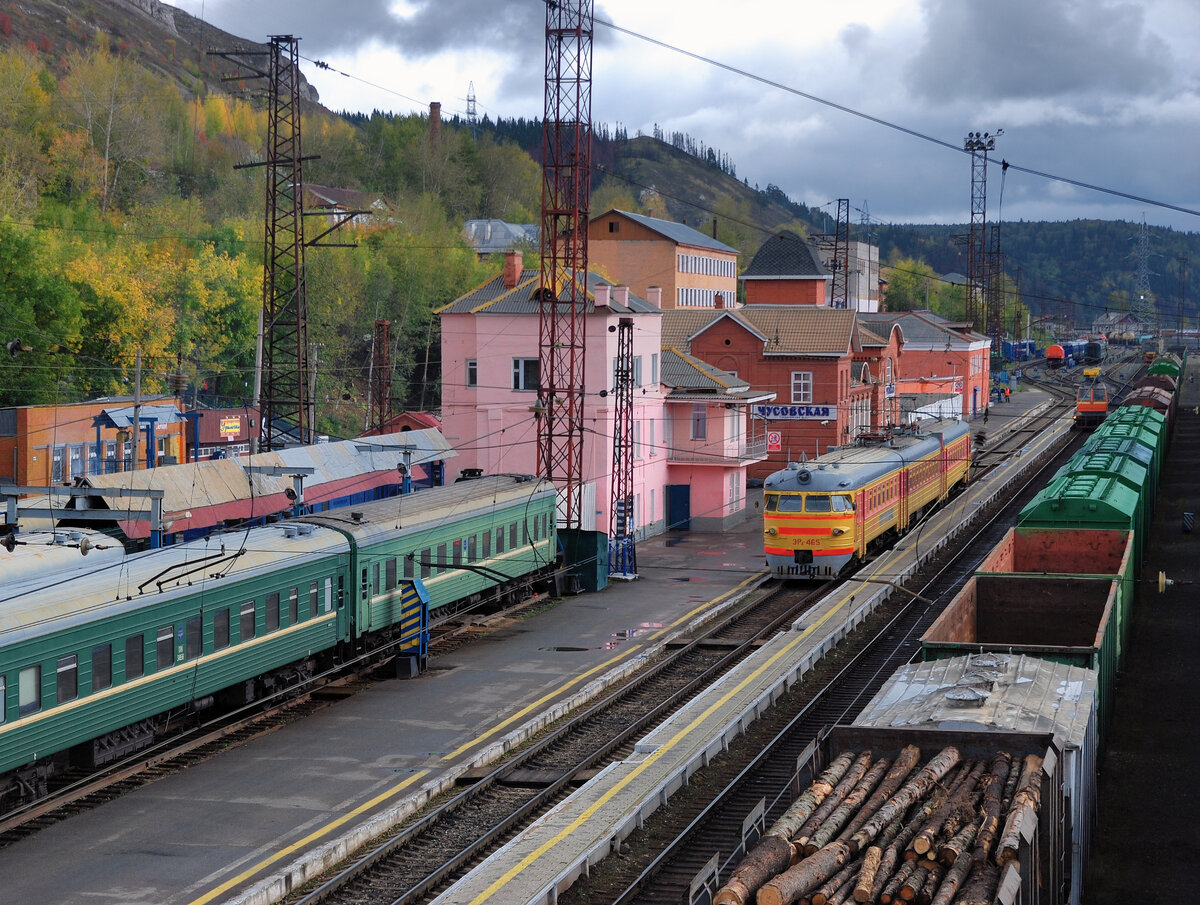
[(744, 453)]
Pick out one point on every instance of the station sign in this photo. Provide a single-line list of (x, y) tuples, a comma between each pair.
[(796, 412)]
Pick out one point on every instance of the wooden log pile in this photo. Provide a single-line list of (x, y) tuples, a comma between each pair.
[(880, 830)]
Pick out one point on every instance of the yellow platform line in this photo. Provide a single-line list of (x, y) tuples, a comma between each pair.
[(307, 840)]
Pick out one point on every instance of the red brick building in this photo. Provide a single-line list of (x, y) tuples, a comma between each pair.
[(829, 387)]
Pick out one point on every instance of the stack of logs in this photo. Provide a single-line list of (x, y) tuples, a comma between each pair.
[(873, 830)]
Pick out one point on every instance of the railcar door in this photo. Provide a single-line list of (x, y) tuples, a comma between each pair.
[(860, 524)]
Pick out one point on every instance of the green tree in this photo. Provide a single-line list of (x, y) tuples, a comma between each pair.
[(41, 317)]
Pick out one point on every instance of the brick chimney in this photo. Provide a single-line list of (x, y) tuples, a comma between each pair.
[(435, 122), (512, 269), (718, 301), (601, 295), (621, 295), (654, 296)]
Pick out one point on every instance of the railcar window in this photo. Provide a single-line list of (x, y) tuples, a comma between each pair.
[(815, 503), (512, 536), (165, 646), (135, 657), (314, 600), (426, 569), (3, 703), (791, 503), (389, 573), (441, 558), (193, 638), (293, 606), (221, 629), (772, 502), (101, 667), (499, 541), (68, 678), (272, 612), (376, 587), (408, 567), (842, 503), (472, 549), (247, 620), (457, 552), (29, 690), (524, 532), (487, 544)]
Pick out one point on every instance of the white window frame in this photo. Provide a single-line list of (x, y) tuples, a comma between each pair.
[(802, 387), (520, 374)]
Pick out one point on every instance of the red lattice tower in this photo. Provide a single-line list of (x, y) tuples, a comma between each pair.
[(566, 200)]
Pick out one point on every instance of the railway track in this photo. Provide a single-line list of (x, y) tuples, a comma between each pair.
[(682, 850), (430, 853)]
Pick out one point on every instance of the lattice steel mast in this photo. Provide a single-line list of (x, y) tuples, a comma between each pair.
[(285, 306), (840, 263), (622, 552), (566, 200), (978, 144), (381, 375)]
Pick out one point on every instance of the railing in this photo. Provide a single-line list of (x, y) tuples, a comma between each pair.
[(749, 451)]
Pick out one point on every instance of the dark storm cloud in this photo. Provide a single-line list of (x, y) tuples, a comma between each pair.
[(1021, 49)]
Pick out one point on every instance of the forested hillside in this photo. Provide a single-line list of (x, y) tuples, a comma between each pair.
[(125, 224)]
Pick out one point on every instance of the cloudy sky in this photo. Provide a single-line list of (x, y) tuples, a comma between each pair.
[(1101, 92)]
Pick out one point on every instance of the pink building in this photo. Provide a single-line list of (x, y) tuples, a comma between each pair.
[(687, 433)]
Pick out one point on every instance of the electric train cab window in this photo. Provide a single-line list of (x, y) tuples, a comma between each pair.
[(1098, 394), (816, 502), (791, 503), (842, 503), (772, 502)]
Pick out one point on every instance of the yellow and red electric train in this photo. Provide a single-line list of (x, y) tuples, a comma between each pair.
[(822, 515)]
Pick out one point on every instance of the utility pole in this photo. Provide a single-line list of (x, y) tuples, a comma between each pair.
[(562, 295), (137, 408)]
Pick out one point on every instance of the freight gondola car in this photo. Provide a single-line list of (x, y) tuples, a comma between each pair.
[(94, 666), (821, 515)]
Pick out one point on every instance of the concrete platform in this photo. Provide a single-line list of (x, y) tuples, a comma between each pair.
[(550, 855)]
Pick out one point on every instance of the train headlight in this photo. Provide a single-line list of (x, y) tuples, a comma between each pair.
[(838, 532), (771, 531)]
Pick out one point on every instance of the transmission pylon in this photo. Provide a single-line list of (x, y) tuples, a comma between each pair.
[(472, 115), (562, 295), (977, 144), (840, 263), (381, 375), (622, 552)]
